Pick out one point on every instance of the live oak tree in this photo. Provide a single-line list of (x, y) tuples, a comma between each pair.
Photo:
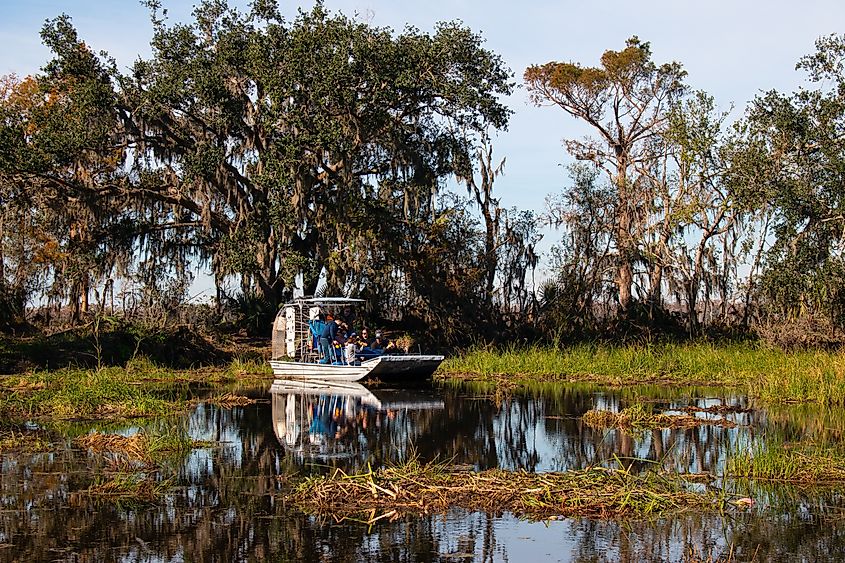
[(61, 153), (298, 147), (262, 146), (788, 166)]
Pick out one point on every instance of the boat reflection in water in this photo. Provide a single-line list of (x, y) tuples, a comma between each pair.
[(321, 421)]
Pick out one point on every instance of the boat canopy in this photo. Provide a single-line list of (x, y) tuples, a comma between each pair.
[(291, 336), (326, 301)]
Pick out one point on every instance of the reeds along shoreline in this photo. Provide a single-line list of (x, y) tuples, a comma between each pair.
[(807, 464), (431, 488), (768, 374)]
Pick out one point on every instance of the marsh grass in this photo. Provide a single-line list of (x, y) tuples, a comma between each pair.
[(140, 389), (249, 368), (641, 416), (774, 461), (769, 374), (106, 393), (124, 488), (433, 488), (30, 441)]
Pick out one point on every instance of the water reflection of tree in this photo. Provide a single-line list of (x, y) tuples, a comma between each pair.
[(225, 506)]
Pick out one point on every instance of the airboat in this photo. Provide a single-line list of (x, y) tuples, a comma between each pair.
[(294, 355)]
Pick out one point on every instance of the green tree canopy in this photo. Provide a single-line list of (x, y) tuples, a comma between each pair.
[(262, 146), (790, 163)]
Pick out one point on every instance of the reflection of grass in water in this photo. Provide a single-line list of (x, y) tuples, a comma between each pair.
[(30, 441), (433, 488), (775, 461), (132, 463), (141, 389), (770, 374)]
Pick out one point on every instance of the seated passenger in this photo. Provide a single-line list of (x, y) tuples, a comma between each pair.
[(351, 349), (374, 348), (380, 342)]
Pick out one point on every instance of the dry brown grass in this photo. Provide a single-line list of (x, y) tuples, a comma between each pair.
[(639, 418), (230, 400), (412, 488), (133, 447)]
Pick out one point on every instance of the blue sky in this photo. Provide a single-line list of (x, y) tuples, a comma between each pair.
[(732, 49)]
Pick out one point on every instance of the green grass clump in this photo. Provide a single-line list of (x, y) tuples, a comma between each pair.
[(781, 462), (105, 393), (769, 374), (249, 368)]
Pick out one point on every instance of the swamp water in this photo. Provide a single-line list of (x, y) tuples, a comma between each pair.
[(223, 502)]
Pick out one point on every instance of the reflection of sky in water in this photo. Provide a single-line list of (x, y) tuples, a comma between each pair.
[(225, 501), (518, 432), (556, 441)]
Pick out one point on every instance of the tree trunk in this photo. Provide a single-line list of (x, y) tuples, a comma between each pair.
[(624, 224)]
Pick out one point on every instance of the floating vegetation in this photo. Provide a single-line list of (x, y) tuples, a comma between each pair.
[(230, 400), (805, 463), (717, 409), (144, 448), (125, 488), (417, 488), (132, 463), (638, 416)]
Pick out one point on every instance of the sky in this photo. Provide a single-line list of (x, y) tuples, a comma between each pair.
[(733, 49)]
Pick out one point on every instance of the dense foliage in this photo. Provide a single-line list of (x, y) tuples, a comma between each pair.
[(676, 222), (266, 149), (315, 152)]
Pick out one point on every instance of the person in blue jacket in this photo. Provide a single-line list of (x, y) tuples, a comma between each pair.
[(316, 327), (328, 338)]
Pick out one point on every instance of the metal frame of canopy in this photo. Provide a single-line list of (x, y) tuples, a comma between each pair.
[(291, 333)]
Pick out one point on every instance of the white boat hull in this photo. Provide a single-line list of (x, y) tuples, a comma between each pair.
[(382, 367)]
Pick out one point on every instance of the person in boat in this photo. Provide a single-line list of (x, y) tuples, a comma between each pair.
[(328, 339), (348, 316), (316, 326), (380, 343), (340, 343), (372, 348), (351, 349)]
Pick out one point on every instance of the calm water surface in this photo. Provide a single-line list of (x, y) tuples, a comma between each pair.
[(225, 504)]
